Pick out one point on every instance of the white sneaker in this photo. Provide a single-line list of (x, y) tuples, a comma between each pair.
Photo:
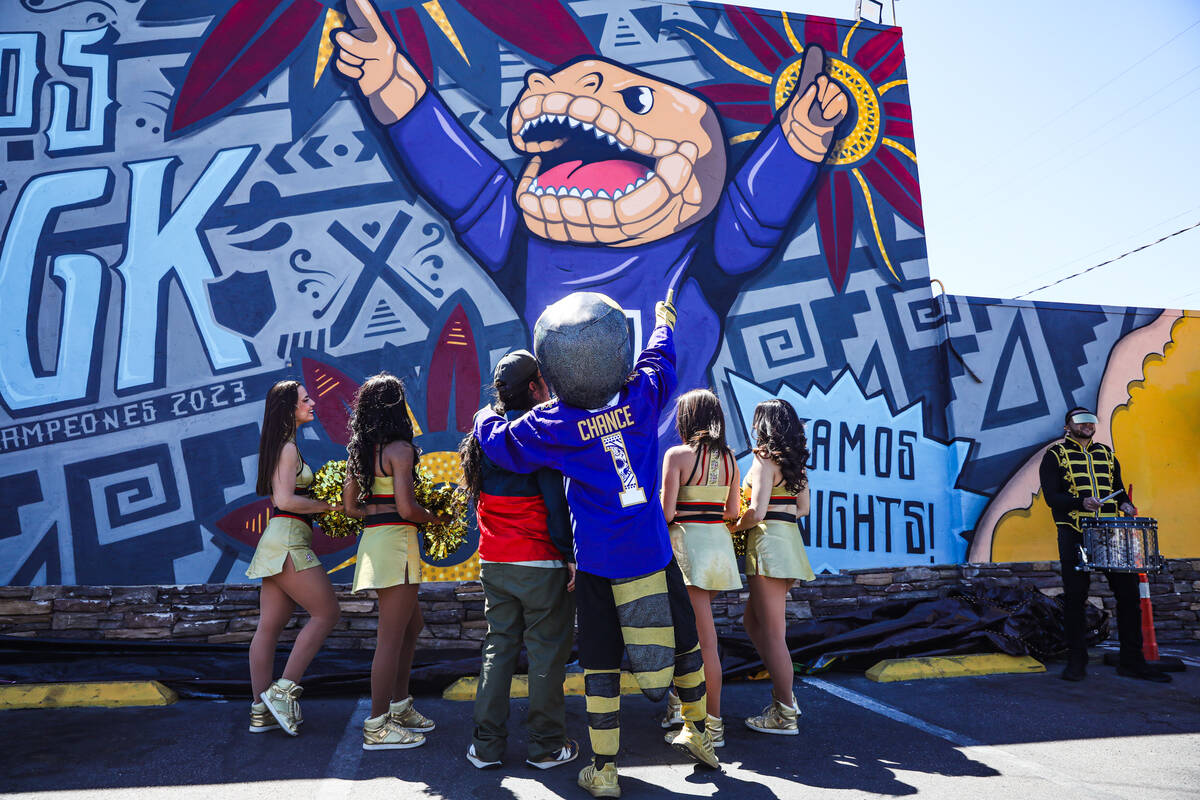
[(479, 762), (567, 754)]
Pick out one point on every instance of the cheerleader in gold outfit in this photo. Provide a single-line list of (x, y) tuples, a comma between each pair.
[(379, 489), (775, 555), (284, 559), (699, 493)]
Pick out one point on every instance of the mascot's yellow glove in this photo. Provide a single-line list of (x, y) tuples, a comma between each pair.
[(664, 311)]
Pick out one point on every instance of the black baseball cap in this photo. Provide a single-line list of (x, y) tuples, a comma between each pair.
[(515, 369)]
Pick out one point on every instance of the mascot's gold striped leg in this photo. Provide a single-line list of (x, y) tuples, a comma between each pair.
[(689, 686), (644, 612), (602, 694)]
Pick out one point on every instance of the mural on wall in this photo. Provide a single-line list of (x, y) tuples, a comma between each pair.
[(201, 197)]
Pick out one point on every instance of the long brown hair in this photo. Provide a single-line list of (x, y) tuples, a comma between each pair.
[(779, 436), (700, 421), (278, 426), (380, 417), (470, 454)]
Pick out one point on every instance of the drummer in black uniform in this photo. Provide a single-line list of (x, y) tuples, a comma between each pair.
[(1079, 478)]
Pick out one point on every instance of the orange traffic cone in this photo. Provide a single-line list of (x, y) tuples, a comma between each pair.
[(1149, 642)]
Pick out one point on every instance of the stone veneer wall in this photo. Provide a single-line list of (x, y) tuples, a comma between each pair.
[(219, 613)]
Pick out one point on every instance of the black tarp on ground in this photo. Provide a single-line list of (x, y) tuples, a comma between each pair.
[(981, 618)]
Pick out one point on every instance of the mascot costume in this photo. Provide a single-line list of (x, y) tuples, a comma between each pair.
[(601, 432)]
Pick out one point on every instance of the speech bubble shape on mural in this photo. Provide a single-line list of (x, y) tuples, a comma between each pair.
[(882, 493)]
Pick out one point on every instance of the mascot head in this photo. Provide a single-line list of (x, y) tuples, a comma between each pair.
[(613, 156), (582, 344)]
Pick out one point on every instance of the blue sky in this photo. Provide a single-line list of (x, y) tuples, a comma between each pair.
[(1052, 136)]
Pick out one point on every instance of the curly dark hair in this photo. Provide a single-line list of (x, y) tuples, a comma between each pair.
[(380, 417), (700, 421), (779, 436), (278, 426), (470, 454)]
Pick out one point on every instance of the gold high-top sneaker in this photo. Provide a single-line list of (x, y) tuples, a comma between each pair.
[(713, 725), (380, 733), (776, 718), (282, 699), (674, 715), (697, 744), (716, 730), (600, 782), (261, 720), (404, 715)]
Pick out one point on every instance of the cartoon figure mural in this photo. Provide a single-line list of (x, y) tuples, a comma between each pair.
[(200, 197), (621, 172)]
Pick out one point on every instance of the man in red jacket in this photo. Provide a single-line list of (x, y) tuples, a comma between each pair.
[(526, 566)]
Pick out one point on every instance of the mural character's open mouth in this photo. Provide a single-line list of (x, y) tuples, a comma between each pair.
[(586, 161), (597, 174)]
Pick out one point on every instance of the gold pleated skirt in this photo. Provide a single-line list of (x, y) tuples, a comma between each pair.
[(775, 549), (704, 552), (283, 536), (388, 555)]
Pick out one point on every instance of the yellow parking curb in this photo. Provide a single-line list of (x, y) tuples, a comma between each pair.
[(103, 694), (915, 669), (464, 688)]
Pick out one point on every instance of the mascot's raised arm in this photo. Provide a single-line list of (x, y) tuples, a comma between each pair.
[(625, 188)]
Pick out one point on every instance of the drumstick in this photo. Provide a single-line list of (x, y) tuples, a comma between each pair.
[(1104, 500)]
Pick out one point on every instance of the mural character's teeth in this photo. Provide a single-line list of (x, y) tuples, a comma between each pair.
[(611, 139), (563, 191), (538, 190), (560, 117), (639, 182), (575, 192), (603, 195), (630, 188), (574, 123), (621, 147), (587, 194), (599, 133), (662, 147), (617, 193)]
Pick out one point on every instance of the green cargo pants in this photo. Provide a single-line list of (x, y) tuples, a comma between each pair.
[(530, 603)]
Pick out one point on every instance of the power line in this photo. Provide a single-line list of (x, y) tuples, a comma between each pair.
[(1108, 247), (1111, 260)]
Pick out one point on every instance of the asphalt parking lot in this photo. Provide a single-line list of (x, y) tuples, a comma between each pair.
[(999, 736)]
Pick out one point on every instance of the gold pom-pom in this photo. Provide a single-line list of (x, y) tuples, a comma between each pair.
[(740, 537), (327, 485), (442, 499)]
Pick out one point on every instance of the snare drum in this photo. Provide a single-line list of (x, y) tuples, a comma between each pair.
[(1120, 544)]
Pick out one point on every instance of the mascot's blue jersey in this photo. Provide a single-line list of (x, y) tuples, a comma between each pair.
[(609, 459)]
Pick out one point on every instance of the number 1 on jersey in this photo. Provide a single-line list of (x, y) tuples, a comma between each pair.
[(631, 493)]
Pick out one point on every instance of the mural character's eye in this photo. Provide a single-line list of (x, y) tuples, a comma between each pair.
[(639, 99)]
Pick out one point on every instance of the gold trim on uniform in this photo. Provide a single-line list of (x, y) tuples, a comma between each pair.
[(1089, 473)]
